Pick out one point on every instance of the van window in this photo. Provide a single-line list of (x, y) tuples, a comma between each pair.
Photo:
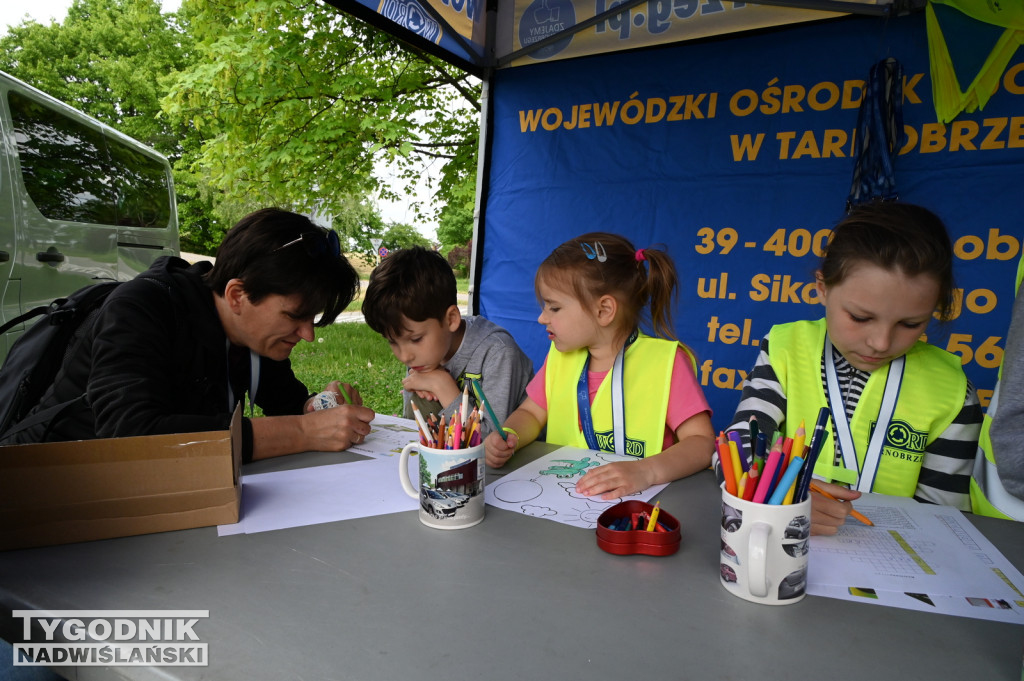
[(75, 173)]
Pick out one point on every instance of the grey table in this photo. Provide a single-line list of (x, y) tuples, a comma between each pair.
[(512, 598)]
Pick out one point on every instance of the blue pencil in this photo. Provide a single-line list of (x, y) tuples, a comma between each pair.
[(787, 480)]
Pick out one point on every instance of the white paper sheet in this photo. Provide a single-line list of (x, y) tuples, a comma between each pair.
[(388, 435), (545, 488), (322, 494), (917, 556)]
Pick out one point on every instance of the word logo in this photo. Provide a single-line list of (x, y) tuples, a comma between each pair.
[(606, 443), (91, 638)]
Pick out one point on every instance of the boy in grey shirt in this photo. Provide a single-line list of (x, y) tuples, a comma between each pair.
[(411, 301)]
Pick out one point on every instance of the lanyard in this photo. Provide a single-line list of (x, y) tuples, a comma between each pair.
[(845, 438), (618, 402)]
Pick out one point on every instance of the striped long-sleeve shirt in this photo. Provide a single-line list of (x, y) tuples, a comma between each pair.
[(948, 460)]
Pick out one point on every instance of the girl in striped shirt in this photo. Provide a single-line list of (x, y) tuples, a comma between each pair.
[(905, 419)]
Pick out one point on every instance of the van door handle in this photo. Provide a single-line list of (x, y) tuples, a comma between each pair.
[(50, 256), (4, 256)]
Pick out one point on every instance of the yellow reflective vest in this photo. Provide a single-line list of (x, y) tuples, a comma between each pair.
[(988, 496), (647, 378), (930, 397)]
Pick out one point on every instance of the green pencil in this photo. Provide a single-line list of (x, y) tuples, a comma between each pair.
[(487, 405)]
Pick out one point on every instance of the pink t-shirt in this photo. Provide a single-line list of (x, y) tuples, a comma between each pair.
[(685, 398)]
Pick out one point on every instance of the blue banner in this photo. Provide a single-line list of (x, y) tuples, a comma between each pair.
[(738, 155)]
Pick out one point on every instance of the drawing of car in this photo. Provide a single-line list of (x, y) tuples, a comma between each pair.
[(729, 553), (798, 528), (732, 519), (794, 584), (796, 547), (436, 504), (728, 574)]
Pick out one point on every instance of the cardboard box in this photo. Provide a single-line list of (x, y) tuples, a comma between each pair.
[(63, 492)]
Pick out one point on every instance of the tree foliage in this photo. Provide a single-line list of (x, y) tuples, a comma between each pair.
[(263, 102), (104, 59), (455, 224), (297, 102)]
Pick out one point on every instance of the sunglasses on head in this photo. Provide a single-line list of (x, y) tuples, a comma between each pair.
[(317, 243)]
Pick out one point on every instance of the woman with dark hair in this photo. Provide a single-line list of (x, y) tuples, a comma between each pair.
[(177, 348)]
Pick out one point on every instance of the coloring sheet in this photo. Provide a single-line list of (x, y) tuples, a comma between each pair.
[(546, 488), (388, 434), (917, 556)]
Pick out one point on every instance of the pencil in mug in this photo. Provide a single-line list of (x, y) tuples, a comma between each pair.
[(736, 441), (487, 405), (814, 450), (788, 479), (424, 428), (725, 461), (753, 429)]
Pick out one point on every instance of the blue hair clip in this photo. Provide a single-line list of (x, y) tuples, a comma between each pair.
[(596, 251)]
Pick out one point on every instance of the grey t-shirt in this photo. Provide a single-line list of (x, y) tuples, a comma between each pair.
[(490, 354)]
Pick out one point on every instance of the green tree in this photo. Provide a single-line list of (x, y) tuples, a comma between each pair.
[(104, 59), (298, 101), (455, 224), (400, 235)]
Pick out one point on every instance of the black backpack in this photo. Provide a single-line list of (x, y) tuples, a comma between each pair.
[(38, 354)]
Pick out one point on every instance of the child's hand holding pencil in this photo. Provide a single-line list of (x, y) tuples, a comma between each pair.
[(830, 507)]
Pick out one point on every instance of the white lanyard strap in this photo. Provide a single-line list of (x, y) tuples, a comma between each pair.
[(619, 404), (845, 438)]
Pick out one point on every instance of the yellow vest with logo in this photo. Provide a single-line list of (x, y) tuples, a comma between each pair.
[(988, 496), (931, 395), (647, 381)]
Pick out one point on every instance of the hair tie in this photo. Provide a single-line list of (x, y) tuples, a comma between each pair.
[(640, 257)]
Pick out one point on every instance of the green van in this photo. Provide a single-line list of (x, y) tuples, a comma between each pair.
[(79, 202)]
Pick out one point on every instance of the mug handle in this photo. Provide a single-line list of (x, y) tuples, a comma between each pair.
[(757, 547), (403, 470)]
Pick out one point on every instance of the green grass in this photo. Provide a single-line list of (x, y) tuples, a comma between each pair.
[(352, 353)]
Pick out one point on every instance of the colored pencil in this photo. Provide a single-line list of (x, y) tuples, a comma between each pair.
[(725, 461), (792, 470), (487, 405)]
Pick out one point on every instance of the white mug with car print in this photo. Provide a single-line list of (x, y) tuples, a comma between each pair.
[(764, 549), (451, 485)]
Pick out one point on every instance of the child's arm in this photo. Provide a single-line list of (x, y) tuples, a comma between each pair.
[(948, 461), (695, 440), (436, 384), (527, 422)]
